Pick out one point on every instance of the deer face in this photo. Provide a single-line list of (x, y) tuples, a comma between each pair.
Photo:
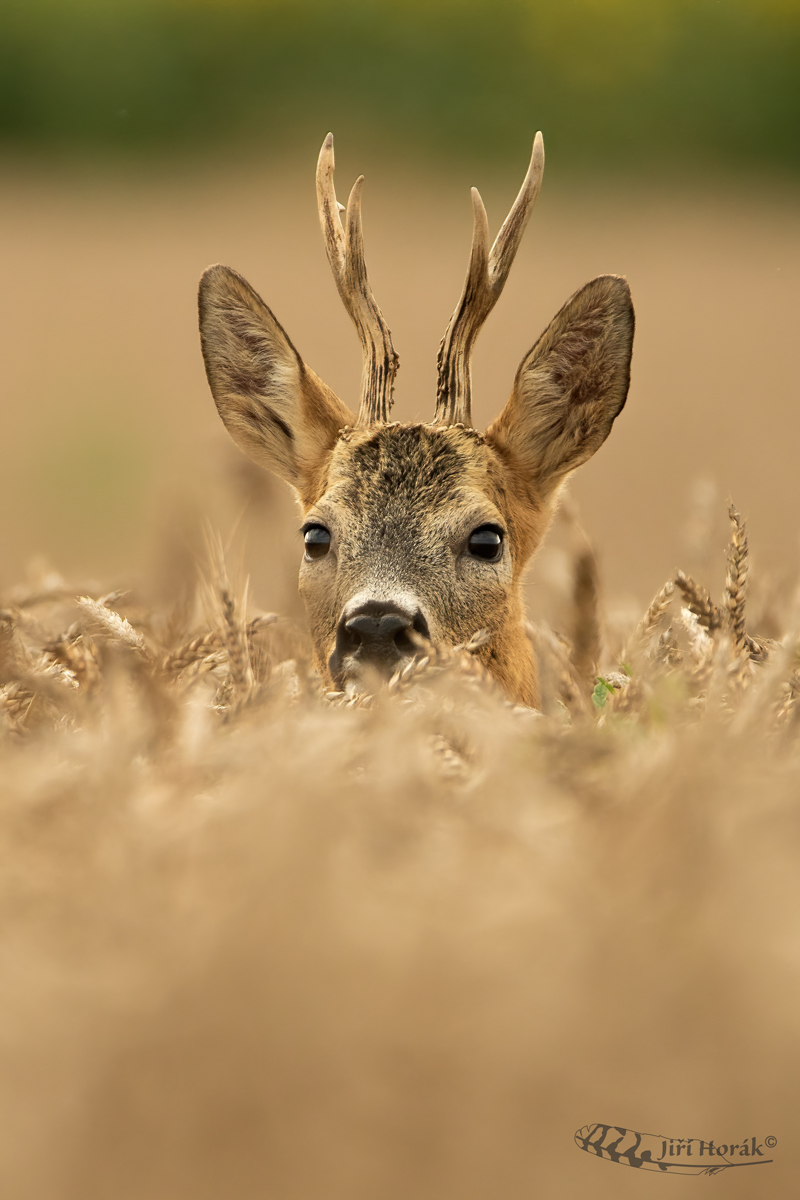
[(420, 531), (411, 535)]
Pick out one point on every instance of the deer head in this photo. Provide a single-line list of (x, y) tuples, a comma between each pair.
[(419, 531)]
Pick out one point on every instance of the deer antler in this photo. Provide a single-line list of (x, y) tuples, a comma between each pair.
[(486, 277), (345, 249)]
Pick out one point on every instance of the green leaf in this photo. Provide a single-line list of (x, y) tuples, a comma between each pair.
[(602, 691)]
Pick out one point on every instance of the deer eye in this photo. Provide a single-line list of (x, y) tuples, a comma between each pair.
[(317, 541), (486, 542)]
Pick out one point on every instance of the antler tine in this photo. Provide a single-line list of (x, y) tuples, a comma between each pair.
[(486, 277), (509, 238), (328, 206), (345, 250)]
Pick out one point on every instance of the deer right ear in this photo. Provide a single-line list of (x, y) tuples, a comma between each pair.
[(273, 406), (570, 387)]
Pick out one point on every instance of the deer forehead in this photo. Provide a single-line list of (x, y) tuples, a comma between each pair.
[(420, 474)]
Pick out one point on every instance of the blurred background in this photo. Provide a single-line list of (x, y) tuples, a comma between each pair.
[(142, 140)]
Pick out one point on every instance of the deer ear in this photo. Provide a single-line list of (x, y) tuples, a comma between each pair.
[(273, 406), (570, 387)]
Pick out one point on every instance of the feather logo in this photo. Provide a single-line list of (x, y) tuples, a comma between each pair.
[(673, 1156)]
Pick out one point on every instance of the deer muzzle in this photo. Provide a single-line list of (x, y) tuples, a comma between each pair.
[(376, 636)]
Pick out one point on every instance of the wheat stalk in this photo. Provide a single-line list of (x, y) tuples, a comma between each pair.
[(585, 650), (736, 587), (699, 603), (117, 627)]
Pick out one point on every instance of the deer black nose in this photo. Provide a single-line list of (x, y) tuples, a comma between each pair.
[(377, 634), (368, 630)]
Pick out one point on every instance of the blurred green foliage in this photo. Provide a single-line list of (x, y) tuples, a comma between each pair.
[(711, 82)]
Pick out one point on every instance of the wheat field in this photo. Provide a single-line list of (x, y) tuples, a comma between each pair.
[(260, 942), (264, 942)]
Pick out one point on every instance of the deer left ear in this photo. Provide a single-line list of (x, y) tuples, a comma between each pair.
[(273, 406), (570, 387)]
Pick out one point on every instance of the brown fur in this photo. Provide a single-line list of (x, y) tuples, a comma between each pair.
[(400, 500)]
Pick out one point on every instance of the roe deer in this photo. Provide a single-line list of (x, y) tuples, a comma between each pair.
[(419, 531)]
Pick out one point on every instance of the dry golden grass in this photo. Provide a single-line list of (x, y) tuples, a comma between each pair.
[(259, 942)]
